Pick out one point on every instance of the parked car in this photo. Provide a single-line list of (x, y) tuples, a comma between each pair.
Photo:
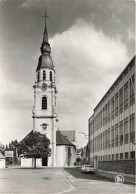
[(87, 169)]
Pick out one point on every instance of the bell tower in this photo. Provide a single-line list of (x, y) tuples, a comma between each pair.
[(44, 109)]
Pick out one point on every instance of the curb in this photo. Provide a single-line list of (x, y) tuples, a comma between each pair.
[(128, 178)]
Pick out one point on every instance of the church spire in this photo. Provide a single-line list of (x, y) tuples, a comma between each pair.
[(45, 34), (45, 46)]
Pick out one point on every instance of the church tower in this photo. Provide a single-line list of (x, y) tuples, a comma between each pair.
[(44, 109)]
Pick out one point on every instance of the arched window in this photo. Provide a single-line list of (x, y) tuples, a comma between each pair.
[(38, 76), (44, 102), (50, 76), (44, 75)]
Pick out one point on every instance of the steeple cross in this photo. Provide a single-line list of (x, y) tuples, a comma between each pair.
[(45, 16)]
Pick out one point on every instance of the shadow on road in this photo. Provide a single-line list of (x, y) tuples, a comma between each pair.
[(77, 174)]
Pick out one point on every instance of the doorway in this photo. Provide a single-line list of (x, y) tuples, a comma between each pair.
[(45, 161)]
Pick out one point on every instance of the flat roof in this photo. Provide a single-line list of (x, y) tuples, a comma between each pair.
[(130, 64)]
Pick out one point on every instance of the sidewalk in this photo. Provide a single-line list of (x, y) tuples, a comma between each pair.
[(127, 177)]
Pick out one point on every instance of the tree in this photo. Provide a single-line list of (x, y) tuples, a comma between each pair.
[(35, 145), (78, 160), (13, 144)]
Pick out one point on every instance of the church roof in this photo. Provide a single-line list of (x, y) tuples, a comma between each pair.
[(62, 140), (1, 156), (70, 134), (45, 61), (26, 136)]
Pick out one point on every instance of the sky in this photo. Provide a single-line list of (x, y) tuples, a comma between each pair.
[(91, 43)]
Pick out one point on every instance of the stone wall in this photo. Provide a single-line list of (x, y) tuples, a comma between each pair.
[(122, 166)]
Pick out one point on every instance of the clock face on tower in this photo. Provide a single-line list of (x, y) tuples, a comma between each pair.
[(44, 87)]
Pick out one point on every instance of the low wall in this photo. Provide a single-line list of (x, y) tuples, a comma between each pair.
[(122, 166)]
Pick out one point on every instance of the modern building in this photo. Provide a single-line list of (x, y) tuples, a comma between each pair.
[(112, 132)]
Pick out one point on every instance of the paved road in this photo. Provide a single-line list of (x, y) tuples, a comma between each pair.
[(32, 181), (95, 184), (56, 181)]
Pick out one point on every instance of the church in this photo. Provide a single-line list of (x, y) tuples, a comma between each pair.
[(44, 112), (44, 109)]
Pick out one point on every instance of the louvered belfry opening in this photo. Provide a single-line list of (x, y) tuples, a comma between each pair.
[(44, 103)]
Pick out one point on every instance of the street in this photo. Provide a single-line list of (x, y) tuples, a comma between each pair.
[(57, 180)]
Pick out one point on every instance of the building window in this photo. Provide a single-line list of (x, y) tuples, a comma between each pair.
[(96, 122), (121, 156), (116, 134), (44, 75), (106, 139), (126, 155), (121, 132), (38, 76), (112, 136), (101, 118), (109, 143), (126, 96), (44, 103), (116, 156), (101, 141), (106, 157), (95, 144), (116, 104), (112, 108), (109, 112), (50, 76), (121, 100), (132, 155), (132, 128), (112, 156), (98, 142), (132, 89), (106, 113), (126, 130), (103, 115)]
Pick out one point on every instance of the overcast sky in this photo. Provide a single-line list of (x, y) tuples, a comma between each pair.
[(91, 40)]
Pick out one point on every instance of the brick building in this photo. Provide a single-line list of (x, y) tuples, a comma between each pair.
[(112, 126)]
